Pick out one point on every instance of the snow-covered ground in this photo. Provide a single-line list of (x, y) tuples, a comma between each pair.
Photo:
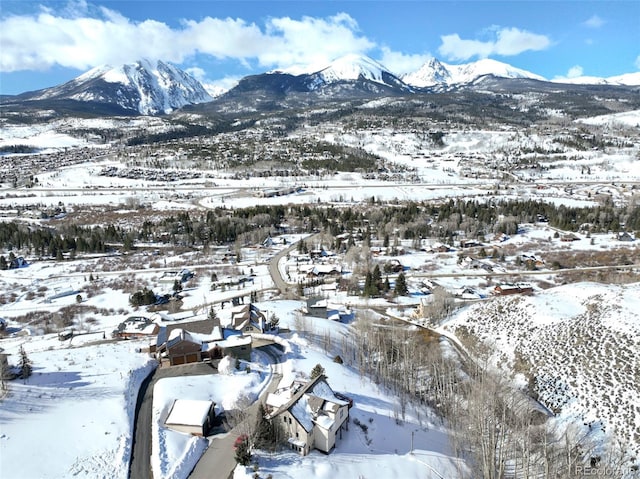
[(82, 395), (627, 118), (77, 408), (75, 413)]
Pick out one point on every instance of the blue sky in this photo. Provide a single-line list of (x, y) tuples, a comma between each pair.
[(46, 43)]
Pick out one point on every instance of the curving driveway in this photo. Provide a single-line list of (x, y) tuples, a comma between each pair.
[(140, 463), (218, 461)]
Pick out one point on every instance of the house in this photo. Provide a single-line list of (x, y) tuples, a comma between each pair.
[(181, 276), (313, 418), (393, 266), (466, 292), (18, 262), (321, 270), (505, 289), (531, 261), (136, 327), (234, 345), (321, 308), (625, 236), (178, 346), (183, 348), (440, 248), (191, 416), (268, 242), (569, 238), (248, 319)]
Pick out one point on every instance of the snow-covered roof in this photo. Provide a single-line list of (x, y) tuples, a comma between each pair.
[(230, 342), (324, 421), (306, 404), (189, 412), (302, 412), (178, 335), (322, 390), (276, 400)]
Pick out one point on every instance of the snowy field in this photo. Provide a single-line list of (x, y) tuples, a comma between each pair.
[(75, 412)]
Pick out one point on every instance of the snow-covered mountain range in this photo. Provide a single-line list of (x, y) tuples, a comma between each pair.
[(151, 88), (437, 73), (145, 87)]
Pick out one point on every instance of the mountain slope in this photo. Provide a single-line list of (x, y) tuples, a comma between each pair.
[(628, 79), (351, 77), (355, 68), (142, 87), (577, 344)]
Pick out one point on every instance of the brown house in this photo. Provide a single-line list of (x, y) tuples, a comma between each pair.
[(516, 288), (183, 348)]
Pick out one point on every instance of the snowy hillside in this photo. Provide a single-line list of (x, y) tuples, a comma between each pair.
[(629, 79), (146, 87), (578, 343)]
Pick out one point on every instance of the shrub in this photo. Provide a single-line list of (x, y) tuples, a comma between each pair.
[(142, 297), (243, 451)]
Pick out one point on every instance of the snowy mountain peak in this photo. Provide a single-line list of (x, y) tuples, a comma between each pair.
[(353, 67), (144, 86), (628, 79), (471, 71), (434, 72)]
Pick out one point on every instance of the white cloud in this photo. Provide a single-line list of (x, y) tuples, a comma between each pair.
[(575, 71), (594, 22), (507, 42), (79, 40), (400, 63), (637, 62)]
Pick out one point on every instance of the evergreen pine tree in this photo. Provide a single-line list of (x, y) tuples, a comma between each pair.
[(401, 285), (317, 370), (25, 364)]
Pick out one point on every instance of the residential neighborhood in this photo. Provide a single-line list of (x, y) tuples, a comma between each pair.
[(319, 240)]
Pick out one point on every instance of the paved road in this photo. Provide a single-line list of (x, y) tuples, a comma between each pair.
[(218, 461), (140, 464), (274, 271)]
